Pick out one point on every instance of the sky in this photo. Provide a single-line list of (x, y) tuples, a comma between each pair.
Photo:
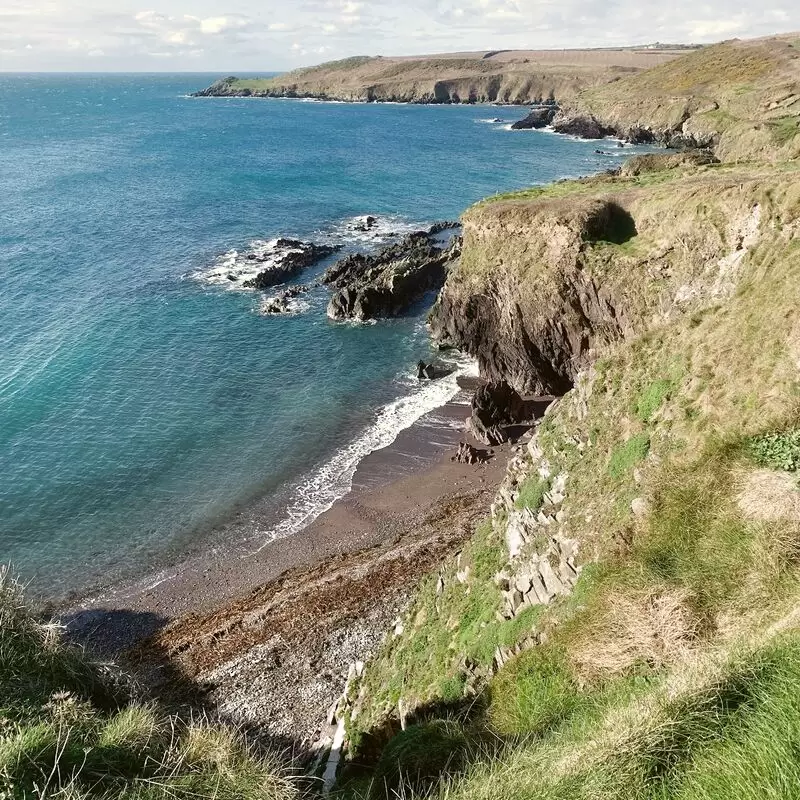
[(237, 36)]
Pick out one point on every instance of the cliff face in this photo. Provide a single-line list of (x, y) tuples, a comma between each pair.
[(514, 77), (550, 277)]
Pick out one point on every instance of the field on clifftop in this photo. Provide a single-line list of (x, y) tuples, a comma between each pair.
[(509, 76)]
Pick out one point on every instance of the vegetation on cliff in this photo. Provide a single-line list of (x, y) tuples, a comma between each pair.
[(742, 97), (627, 623), (73, 729)]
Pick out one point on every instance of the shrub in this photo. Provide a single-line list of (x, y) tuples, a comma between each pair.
[(777, 450)]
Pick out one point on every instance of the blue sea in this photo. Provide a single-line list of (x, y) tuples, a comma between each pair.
[(143, 401)]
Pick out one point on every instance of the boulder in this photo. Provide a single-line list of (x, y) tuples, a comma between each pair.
[(467, 454), (425, 371), (364, 224), (281, 303), (538, 118)]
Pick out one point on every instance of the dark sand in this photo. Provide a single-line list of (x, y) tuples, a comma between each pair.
[(264, 635)]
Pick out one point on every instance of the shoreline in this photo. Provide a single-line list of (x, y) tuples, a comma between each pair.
[(194, 584), (258, 524), (267, 641)]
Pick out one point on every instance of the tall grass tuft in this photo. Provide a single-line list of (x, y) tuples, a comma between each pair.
[(69, 729)]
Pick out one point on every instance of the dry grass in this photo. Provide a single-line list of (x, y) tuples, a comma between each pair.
[(649, 628), (769, 496)]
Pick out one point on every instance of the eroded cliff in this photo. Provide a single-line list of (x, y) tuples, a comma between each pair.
[(507, 76), (549, 277)]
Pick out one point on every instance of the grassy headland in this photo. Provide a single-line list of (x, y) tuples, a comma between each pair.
[(507, 76), (626, 623), (742, 97)]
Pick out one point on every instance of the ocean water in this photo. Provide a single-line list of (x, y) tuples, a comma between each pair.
[(142, 402)]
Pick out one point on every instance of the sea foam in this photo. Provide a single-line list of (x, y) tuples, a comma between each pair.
[(331, 481)]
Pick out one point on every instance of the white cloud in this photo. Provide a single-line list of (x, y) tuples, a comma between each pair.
[(256, 35), (716, 27)]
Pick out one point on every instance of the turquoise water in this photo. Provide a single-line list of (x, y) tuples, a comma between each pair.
[(141, 405)]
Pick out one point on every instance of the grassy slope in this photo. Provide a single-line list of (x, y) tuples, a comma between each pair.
[(671, 670), (520, 79), (69, 729), (745, 94)]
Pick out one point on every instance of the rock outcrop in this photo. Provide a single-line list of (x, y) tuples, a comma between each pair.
[(534, 335), (467, 454), (549, 279), (285, 259), (740, 97), (494, 406), (391, 281), (538, 118), (580, 125)]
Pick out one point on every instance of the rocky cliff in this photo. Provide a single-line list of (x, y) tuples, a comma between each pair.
[(550, 277), (635, 586)]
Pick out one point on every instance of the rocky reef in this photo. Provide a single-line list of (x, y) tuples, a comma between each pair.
[(389, 282), (538, 118), (285, 259)]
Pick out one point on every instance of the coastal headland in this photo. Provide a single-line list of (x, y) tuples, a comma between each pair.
[(515, 77)]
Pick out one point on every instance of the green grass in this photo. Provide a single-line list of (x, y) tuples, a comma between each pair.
[(656, 676), (785, 129), (628, 454), (71, 729), (532, 693), (532, 492), (420, 756), (652, 398)]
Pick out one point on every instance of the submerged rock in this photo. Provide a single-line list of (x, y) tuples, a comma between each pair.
[(284, 260), (281, 303), (388, 283), (364, 224)]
